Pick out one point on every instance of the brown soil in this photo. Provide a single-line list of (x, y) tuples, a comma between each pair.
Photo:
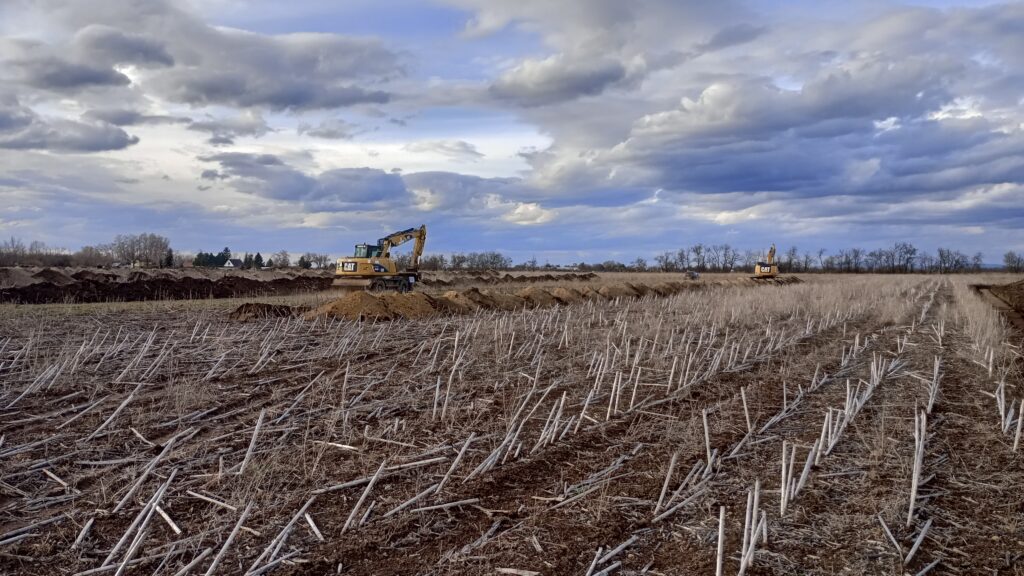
[(54, 277), (504, 301), (617, 291), (50, 285), (412, 306), (567, 295), (354, 306), (537, 297)]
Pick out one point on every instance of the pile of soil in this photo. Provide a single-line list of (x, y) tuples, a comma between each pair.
[(53, 276), (16, 278), (567, 295), (413, 306), (48, 285), (1012, 294), (363, 305), (537, 297), (612, 291), (354, 306)]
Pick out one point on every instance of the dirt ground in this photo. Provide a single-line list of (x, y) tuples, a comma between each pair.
[(603, 431), (77, 285)]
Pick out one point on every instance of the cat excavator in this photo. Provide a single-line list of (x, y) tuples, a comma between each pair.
[(768, 269), (371, 267)]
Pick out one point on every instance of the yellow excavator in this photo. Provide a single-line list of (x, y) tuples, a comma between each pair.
[(768, 269), (371, 268)]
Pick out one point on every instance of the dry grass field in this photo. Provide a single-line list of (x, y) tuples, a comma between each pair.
[(843, 425)]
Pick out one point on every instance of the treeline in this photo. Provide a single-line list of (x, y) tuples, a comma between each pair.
[(1013, 262), (902, 257), (150, 250), (281, 259), (457, 261)]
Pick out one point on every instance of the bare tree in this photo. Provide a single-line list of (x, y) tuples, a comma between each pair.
[(683, 258), (282, 259), (666, 261)]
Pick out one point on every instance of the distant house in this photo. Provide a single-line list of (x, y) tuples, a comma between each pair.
[(233, 263)]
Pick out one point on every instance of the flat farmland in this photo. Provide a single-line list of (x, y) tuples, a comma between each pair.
[(846, 424)]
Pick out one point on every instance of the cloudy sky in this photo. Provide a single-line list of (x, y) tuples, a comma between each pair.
[(570, 130)]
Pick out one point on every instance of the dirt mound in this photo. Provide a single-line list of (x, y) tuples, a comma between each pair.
[(1012, 294), (504, 301), (779, 280), (446, 305), (537, 297), (666, 288), (567, 295), (355, 306), (471, 299), (54, 277), (33, 286), (92, 276), (412, 306), (618, 291), (393, 305), (256, 310), (16, 278)]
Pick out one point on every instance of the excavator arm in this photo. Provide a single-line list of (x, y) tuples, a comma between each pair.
[(397, 238), (771, 255)]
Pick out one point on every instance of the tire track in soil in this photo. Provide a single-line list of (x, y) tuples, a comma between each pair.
[(514, 484), (980, 515)]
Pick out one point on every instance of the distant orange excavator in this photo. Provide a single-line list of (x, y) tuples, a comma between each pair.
[(767, 269)]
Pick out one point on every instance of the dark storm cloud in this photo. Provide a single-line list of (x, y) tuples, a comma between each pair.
[(23, 129), (113, 46), (57, 75), (269, 176)]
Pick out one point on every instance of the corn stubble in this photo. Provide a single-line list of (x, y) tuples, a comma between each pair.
[(868, 424)]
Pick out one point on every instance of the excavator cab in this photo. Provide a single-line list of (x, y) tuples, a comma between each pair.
[(367, 251)]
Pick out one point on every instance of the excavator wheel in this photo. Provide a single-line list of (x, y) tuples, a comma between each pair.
[(378, 286), (403, 286)]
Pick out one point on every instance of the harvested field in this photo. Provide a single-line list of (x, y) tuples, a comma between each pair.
[(67, 285), (859, 425)]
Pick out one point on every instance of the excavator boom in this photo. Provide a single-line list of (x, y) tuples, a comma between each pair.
[(398, 238)]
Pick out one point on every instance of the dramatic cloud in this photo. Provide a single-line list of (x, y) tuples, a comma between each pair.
[(23, 129), (605, 128), (183, 59)]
